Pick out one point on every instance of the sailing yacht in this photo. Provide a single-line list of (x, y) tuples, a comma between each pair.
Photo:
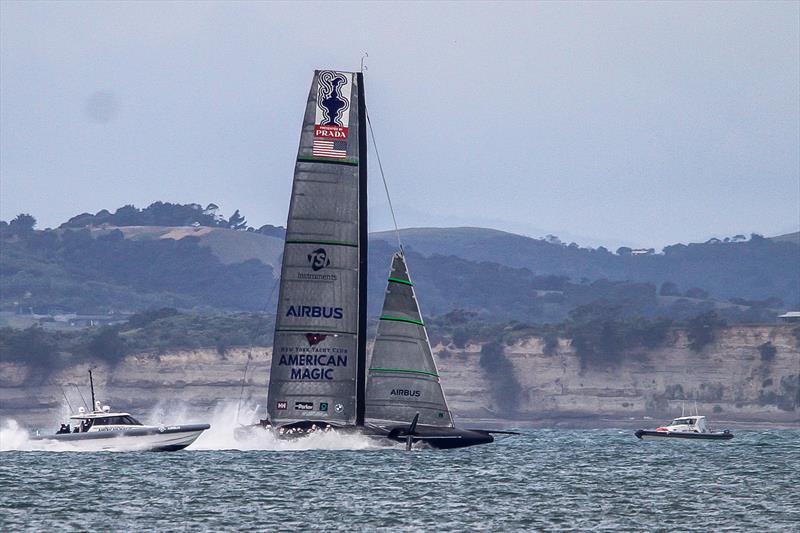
[(319, 379)]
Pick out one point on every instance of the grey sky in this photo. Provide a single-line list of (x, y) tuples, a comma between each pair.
[(602, 122)]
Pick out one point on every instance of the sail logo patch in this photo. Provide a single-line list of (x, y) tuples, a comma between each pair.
[(332, 119), (282, 405), (304, 406), (315, 338), (405, 392), (338, 408), (333, 99), (323, 406), (318, 259), (315, 311)]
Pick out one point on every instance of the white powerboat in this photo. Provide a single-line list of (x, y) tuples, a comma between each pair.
[(684, 427), (103, 429)]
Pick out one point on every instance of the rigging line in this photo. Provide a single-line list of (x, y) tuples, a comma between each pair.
[(269, 298), (82, 398), (67, 399), (241, 393), (383, 177)]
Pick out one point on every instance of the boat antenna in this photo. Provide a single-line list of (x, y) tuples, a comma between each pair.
[(91, 386), (82, 398), (385, 186)]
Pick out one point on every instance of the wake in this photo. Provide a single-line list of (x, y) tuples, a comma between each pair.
[(225, 418)]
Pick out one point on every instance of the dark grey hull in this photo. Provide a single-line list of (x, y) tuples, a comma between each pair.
[(436, 437), (646, 434)]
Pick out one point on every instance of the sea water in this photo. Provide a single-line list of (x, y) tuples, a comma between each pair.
[(553, 480)]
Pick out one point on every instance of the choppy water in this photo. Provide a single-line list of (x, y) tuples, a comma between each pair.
[(603, 480)]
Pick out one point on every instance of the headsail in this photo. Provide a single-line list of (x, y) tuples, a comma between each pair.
[(403, 379), (320, 341)]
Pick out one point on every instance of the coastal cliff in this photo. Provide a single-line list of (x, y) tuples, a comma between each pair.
[(735, 378)]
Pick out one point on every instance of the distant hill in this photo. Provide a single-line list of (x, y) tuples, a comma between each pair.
[(788, 237), (230, 247), (756, 268), (92, 265)]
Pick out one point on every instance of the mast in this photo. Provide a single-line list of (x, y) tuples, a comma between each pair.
[(363, 237), (91, 386)]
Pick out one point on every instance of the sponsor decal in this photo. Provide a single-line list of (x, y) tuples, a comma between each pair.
[(315, 338), (331, 124), (333, 133), (338, 408), (309, 276), (318, 259), (313, 363), (304, 406), (315, 311), (282, 405), (333, 99), (405, 392), (325, 148), (306, 374), (312, 360), (323, 406)]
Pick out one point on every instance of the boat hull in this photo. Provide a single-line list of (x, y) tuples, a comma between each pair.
[(646, 434), (436, 437), (163, 438)]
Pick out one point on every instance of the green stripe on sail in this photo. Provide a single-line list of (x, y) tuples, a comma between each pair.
[(312, 159), (401, 319), (314, 329), (405, 371), (403, 281), (329, 243)]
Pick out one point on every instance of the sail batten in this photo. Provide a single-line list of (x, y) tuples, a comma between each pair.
[(315, 369), (402, 378)]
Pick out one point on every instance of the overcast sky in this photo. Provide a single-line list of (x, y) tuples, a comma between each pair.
[(601, 122)]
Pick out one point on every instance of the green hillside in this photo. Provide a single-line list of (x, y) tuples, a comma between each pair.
[(751, 268), (90, 265)]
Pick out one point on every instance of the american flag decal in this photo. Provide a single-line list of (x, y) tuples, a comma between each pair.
[(327, 148)]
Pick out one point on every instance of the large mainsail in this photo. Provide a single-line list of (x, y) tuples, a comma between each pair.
[(319, 350), (403, 379)]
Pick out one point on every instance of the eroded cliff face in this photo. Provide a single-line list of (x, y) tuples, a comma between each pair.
[(730, 380)]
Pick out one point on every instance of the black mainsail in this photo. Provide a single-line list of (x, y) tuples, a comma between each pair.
[(319, 350)]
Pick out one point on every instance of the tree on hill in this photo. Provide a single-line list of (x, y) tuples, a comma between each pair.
[(669, 289), (237, 221), (22, 223), (701, 330)]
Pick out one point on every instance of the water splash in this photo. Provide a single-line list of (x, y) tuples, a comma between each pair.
[(221, 436)]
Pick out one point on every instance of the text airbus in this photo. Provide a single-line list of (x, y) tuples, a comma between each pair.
[(315, 311)]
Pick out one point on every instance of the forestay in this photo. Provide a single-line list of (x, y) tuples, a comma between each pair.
[(403, 379), (320, 316)]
